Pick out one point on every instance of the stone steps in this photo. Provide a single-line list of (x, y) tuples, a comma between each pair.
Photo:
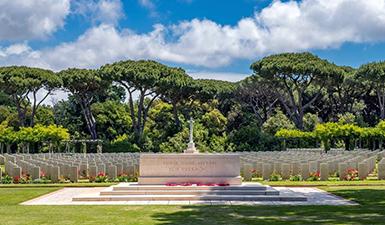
[(146, 180), (133, 186), (191, 192), (244, 192), (190, 198)]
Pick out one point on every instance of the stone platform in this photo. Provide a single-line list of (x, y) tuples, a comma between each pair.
[(137, 192), (156, 169), (65, 196)]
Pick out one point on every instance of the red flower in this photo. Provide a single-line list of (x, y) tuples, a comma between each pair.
[(16, 179), (197, 184), (101, 174), (351, 174)]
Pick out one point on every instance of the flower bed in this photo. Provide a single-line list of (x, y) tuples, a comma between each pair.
[(197, 184)]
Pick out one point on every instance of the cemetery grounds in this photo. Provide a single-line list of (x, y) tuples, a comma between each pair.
[(368, 193)]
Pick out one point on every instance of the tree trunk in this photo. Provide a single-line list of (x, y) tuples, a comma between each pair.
[(21, 115), (90, 120), (347, 143), (139, 120), (175, 114), (9, 148), (300, 111), (381, 103), (300, 121)]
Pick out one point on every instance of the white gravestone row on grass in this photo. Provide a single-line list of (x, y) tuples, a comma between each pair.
[(305, 163), (70, 166), (261, 164)]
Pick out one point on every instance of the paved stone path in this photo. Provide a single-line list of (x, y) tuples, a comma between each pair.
[(64, 197)]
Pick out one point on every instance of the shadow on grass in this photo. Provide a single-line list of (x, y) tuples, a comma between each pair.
[(371, 211)]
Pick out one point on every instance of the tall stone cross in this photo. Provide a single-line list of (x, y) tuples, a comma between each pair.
[(191, 140), (191, 145)]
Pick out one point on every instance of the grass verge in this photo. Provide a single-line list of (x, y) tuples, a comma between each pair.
[(370, 211)]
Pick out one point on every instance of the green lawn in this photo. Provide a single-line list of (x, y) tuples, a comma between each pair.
[(287, 183), (371, 211), (87, 184)]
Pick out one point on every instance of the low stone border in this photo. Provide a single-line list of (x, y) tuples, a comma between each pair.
[(64, 197)]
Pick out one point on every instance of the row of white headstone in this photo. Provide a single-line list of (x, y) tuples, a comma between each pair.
[(61, 166), (304, 163)]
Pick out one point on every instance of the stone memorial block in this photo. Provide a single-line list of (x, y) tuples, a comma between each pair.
[(66, 170), (285, 171), (128, 169), (83, 170), (55, 173), (101, 168), (2, 160), (277, 167), (246, 170), (305, 170), (119, 169), (62, 170), (259, 169), (342, 170), (10, 158), (352, 165), (112, 172), (372, 163), (48, 168), (267, 170), (295, 168), (313, 166), (363, 170), (35, 173), (132, 170), (136, 168), (333, 167), (73, 174), (324, 171), (255, 166), (381, 170), (193, 168), (16, 172), (92, 172)]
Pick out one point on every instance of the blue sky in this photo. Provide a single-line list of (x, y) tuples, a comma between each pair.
[(210, 39)]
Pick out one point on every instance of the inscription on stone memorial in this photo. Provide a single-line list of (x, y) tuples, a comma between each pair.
[(189, 165)]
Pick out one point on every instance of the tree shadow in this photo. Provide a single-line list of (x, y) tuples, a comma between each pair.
[(370, 211)]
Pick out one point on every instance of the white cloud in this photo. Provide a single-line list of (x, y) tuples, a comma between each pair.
[(29, 19), (110, 11), (147, 3), (150, 5), (16, 49), (99, 11), (282, 26), (233, 77)]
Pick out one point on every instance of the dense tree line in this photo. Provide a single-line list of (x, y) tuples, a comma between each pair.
[(145, 105)]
